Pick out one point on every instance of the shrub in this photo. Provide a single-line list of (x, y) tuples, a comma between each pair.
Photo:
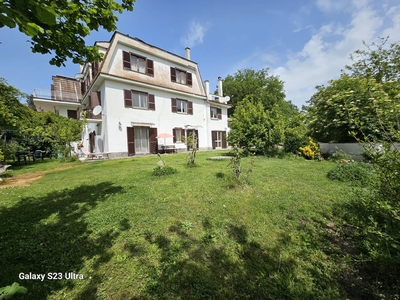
[(166, 170), (311, 151), (338, 155), (355, 171)]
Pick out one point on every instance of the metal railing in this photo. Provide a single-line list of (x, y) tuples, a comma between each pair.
[(57, 95)]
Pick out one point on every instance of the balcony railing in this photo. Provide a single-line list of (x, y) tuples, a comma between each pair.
[(57, 95)]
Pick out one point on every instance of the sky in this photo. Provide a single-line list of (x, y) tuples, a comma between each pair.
[(304, 42)]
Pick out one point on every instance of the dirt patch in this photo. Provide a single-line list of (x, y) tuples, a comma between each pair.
[(28, 178)]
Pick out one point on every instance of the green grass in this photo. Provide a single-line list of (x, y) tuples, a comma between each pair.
[(183, 236)]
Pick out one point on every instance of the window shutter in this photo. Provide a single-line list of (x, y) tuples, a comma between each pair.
[(213, 138), (126, 57), (189, 79), (150, 67), (90, 101), (173, 74), (173, 105), (83, 88), (174, 134), (95, 68), (128, 98), (131, 140), (190, 108), (153, 140), (219, 113), (197, 137), (99, 97), (224, 139), (152, 103), (94, 99)]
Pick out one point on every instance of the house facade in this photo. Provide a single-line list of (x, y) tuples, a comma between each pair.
[(139, 91)]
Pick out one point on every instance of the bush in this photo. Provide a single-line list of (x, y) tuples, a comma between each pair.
[(338, 155), (166, 170), (355, 171), (311, 151)]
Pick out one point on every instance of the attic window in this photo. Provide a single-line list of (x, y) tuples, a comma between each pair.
[(137, 63)]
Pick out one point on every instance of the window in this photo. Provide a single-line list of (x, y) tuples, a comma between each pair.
[(181, 76), (182, 106), (137, 99), (137, 63), (215, 113), (72, 114), (218, 139)]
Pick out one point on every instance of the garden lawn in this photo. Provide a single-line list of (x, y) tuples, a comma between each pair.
[(183, 236)]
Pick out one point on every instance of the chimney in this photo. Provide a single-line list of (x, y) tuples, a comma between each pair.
[(207, 87), (187, 49), (220, 94)]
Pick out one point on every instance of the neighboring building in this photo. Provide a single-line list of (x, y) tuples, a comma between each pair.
[(144, 91), (64, 98)]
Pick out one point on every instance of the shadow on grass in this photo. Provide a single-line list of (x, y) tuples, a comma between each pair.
[(49, 234), (370, 238), (202, 268)]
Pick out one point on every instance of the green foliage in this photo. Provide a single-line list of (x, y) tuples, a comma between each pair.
[(191, 142), (60, 27), (295, 134), (162, 169), (378, 62), (338, 155), (25, 129), (166, 170), (238, 177), (350, 104), (254, 127), (257, 84), (353, 171), (10, 290)]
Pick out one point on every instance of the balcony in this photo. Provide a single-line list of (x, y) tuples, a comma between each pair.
[(57, 95)]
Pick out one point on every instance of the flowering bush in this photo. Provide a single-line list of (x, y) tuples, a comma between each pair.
[(311, 151)]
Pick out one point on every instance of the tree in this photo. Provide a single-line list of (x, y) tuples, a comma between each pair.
[(377, 61), (366, 100), (353, 104), (248, 82), (253, 126), (59, 27)]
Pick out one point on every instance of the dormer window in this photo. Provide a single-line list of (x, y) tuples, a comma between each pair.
[(137, 63), (181, 76)]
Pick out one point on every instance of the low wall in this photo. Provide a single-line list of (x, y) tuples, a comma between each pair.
[(354, 149)]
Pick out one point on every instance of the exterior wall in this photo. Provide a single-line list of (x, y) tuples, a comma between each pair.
[(162, 118), (162, 64)]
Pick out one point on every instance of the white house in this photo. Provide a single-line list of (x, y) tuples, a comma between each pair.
[(139, 91)]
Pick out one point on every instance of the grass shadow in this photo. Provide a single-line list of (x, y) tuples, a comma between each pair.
[(49, 234)]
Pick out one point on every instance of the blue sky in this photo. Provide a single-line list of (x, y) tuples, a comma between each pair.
[(305, 42)]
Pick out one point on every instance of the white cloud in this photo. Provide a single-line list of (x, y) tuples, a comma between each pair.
[(195, 34), (327, 51)]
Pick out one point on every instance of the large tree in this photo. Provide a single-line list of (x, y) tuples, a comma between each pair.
[(353, 104), (365, 101), (59, 27), (248, 82)]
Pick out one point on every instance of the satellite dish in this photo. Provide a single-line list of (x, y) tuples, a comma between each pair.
[(97, 110), (227, 98)]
